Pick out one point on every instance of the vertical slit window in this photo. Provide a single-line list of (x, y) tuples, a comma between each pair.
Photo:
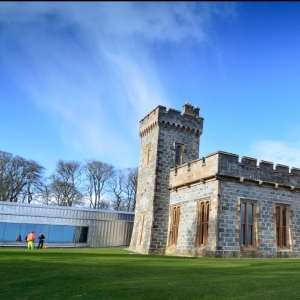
[(178, 154), (147, 155), (142, 220)]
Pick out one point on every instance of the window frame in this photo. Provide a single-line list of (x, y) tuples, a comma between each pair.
[(203, 207), (174, 228), (244, 241), (178, 157), (281, 228)]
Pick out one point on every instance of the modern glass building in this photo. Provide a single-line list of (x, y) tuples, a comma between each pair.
[(64, 226)]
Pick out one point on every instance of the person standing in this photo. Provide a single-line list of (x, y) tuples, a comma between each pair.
[(41, 241), (30, 240)]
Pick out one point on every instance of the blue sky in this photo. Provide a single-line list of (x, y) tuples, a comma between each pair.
[(76, 78)]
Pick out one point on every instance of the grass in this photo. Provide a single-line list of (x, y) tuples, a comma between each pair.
[(118, 274)]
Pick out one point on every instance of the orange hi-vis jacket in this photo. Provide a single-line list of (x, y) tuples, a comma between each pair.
[(30, 237)]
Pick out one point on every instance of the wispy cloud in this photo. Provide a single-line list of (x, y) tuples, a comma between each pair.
[(89, 66), (278, 152)]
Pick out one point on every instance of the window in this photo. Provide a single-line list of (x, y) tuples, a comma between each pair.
[(53, 233), (175, 217), (81, 234), (178, 154), (2, 225), (202, 221), (247, 228), (142, 220), (26, 229), (42, 228), (148, 150), (68, 234), (281, 226), (12, 230)]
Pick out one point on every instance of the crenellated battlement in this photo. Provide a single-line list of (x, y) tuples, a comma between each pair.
[(189, 119), (222, 164), (221, 190)]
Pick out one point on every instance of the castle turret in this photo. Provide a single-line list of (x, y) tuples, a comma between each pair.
[(168, 138)]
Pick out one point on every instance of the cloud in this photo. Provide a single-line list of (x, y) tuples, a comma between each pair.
[(90, 66), (277, 152)]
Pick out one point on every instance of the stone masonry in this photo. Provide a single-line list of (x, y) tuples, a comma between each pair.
[(160, 131), (219, 178)]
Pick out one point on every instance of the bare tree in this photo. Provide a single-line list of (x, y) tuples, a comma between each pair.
[(19, 178), (34, 181), (5, 177), (45, 196), (104, 204), (117, 186), (123, 188), (98, 174), (65, 183), (131, 188)]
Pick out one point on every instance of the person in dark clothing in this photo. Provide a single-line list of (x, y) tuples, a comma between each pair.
[(41, 241)]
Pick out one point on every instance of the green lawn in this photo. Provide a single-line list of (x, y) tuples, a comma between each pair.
[(118, 274)]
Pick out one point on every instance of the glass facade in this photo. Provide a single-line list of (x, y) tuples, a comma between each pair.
[(53, 233)]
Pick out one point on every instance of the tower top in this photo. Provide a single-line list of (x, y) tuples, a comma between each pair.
[(189, 119), (190, 110)]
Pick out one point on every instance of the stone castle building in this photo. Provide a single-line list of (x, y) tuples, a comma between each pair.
[(212, 206)]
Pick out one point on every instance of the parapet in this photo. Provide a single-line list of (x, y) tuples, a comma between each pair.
[(226, 165), (262, 173), (190, 110), (188, 120), (151, 120)]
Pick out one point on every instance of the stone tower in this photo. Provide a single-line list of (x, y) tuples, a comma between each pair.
[(168, 138)]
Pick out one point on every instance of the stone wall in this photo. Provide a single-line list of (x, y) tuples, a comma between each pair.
[(140, 241), (188, 197), (227, 164), (263, 173), (232, 193), (237, 181), (219, 176), (160, 130), (247, 180), (195, 171)]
